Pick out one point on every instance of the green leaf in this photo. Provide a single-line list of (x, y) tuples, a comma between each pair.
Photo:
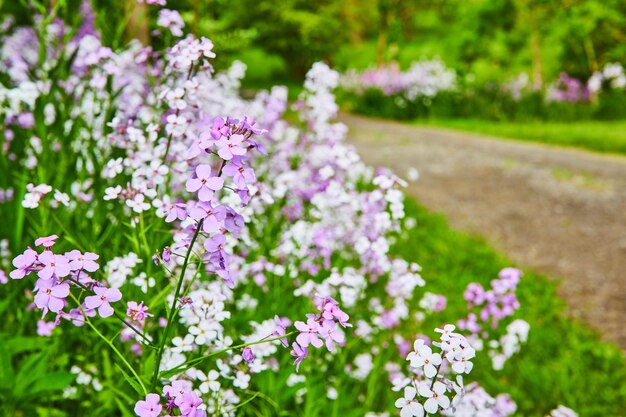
[(130, 380), (56, 381)]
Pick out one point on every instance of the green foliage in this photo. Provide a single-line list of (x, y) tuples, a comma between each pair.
[(602, 136), (562, 362)]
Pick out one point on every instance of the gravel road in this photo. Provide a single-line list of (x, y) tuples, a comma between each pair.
[(559, 211)]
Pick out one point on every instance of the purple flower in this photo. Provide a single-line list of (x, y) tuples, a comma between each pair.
[(215, 245), (231, 146), (45, 328), (219, 128), (247, 354), (177, 390), (23, 262), (47, 241), (213, 216), (53, 265), (150, 407), (189, 405), (101, 300), (167, 254), (137, 312), (308, 333), (281, 329), (79, 261), (241, 173), (175, 211), (203, 183), (50, 296), (300, 353), (331, 334), (234, 222), (199, 145)]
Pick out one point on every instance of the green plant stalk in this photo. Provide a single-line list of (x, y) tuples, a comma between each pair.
[(196, 361), (173, 308), (112, 346), (118, 316)]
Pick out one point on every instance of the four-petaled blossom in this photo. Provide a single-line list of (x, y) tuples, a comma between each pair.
[(300, 352), (189, 405), (101, 300), (436, 397), (46, 241), (53, 265), (331, 334), (309, 333), (23, 262), (423, 356), (204, 183), (150, 407), (241, 173), (86, 261), (137, 312), (213, 216), (231, 146), (409, 407), (51, 296)]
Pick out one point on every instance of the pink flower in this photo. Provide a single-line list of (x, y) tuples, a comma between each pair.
[(137, 312), (53, 265), (247, 354), (309, 333), (23, 262), (150, 407), (219, 128), (189, 405), (101, 300), (175, 211), (50, 296), (213, 216), (78, 261), (331, 334), (241, 173), (45, 328), (47, 241), (231, 146), (300, 353), (281, 329), (203, 183), (177, 390)]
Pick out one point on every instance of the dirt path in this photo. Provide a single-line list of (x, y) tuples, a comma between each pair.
[(559, 211)]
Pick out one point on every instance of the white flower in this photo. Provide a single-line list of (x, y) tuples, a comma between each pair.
[(409, 407), (242, 380), (111, 193), (436, 397), (447, 332), (209, 381), (462, 362), (423, 356), (138, 204)]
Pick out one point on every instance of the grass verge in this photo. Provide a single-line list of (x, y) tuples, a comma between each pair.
[(563, 361), (600, 136)]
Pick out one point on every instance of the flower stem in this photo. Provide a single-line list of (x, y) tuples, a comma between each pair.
[(196, 361), (112, 346), (173, 309)]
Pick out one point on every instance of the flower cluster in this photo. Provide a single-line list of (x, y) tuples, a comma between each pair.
[(612, 77), (424, 79), (179, 397), (495, 304), (428, 369), (567, 89), (320, 329)]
